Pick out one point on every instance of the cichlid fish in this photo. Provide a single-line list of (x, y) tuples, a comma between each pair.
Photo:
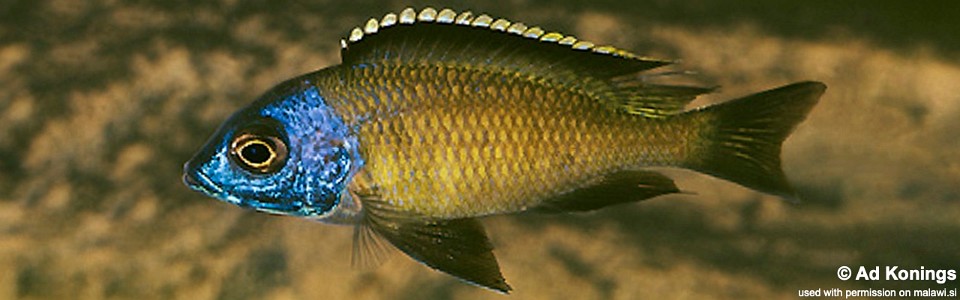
[(435, 118)]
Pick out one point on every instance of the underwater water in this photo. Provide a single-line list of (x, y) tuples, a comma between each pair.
[(102, 101)]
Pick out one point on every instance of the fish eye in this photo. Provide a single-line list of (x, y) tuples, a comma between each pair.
[(258, 150)]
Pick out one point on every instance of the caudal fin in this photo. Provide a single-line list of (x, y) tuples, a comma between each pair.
[(741, 140)]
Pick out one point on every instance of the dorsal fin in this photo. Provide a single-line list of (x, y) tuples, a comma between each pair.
[(654, 100), (481, 42)]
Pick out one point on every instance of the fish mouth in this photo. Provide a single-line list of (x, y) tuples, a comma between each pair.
[(198, 181)]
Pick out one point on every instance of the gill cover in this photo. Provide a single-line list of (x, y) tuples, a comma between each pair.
[(288, 153)]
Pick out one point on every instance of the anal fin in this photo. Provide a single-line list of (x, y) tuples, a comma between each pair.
[(458, 247), (616, 188)]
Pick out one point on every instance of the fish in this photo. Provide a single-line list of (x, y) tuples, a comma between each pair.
[(437, 118)]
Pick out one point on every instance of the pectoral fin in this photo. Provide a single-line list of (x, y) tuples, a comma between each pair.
[(458, 247), (616, 188)]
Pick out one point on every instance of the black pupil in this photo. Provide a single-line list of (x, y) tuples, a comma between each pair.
[(256, 153)]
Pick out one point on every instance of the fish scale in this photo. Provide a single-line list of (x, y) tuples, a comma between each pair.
[(521, 135)]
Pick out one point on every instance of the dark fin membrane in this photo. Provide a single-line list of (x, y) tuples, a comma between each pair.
[(744, 143), (616, 188), (654, 100), (458, 247), (480, 42)]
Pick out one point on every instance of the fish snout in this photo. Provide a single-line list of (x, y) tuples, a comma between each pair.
[(197, 181)]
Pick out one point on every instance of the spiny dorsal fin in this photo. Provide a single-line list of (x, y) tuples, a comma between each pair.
[(482, 42)]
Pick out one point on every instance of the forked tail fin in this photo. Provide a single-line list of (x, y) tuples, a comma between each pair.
[(741, 138)]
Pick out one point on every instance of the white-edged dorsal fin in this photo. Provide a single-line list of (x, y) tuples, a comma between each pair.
[(432, 36)]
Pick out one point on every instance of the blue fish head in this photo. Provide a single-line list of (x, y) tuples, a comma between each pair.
[(288, 153)]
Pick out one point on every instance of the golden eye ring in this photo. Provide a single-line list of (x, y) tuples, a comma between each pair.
[(258, 154)]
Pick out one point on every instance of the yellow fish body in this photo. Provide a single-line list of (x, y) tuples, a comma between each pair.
[(435, 118)]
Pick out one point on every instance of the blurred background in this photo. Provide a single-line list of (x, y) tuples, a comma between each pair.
[(102, 101)]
